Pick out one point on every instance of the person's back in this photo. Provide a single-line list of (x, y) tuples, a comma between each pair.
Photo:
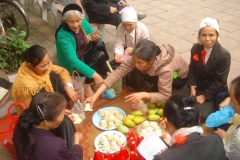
[(196, 147), (48, 146), (32, 136), (187, 142)]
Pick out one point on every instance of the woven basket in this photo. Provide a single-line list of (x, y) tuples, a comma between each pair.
[(8, 95)]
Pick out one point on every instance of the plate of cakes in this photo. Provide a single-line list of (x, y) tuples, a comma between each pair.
[(108, 118), (148, 126), (109, 141)]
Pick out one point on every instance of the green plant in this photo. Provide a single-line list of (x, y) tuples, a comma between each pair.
[(11, 51)]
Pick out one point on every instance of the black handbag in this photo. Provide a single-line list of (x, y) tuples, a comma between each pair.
[(136, 80)]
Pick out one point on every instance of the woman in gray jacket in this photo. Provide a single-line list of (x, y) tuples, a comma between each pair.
[(156, 65)]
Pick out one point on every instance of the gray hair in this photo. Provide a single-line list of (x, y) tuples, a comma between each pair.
[(70, 13)]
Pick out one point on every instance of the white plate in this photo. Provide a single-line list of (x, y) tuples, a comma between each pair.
[(139, 128), (98, 144), (97, 118)]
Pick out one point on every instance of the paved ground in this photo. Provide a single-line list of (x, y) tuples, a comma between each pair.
[(172, 22)]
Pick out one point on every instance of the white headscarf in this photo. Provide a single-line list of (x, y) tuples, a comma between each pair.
[(128, 14), (210, 22)]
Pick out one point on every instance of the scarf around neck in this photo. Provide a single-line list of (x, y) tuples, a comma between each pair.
[(29, 83), (230, 131), (186, 131)]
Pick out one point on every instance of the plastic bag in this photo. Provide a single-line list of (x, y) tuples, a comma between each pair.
[(220, 117), (78, 112), (119, 58), (109, 94), (78, 85)]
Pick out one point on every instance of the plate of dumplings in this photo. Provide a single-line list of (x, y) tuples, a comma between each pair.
[(109, 141), (148, 126), (108, 118)]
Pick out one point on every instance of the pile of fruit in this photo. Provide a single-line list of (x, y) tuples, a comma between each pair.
[(153, 112)]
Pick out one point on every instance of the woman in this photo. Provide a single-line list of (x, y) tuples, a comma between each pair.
[(155, 65), (231, 137), (38, 74), (129, 32), (182, 123), (208, 69), (32, 138), (76, 52)]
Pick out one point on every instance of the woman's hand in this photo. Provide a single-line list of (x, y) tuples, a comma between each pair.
[(201, 98), (97, 79), (220, 132), (95, 37), (225, 102), (77, 137), (69, 114), (113, 10), (129, 50), (162, 150), (94, 97), (124, 4), (136, 97), (71, 93), (193, 91)]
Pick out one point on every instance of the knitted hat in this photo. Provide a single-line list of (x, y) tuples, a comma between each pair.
[(210, 22), (128, 14), (72, 6)]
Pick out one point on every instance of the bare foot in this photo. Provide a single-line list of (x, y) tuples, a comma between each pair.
[(88, 90)]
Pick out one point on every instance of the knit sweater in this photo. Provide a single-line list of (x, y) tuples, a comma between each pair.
[(27, 83), (66, 50)]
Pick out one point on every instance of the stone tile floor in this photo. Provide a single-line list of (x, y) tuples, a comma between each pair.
[(172, 22)]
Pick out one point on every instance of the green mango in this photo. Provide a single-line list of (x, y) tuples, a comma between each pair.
[(130, 116), (128, 122), (152, 111), (137, 113), (153, 117), (138, 119), (160, 104), (122, 128), (152, 105), (160, 112)]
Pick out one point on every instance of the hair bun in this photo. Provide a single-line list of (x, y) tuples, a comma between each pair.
[(189, 101)]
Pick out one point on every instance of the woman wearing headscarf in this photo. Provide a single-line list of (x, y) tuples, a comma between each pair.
[(208, 69), (80, 48), (129, 32)]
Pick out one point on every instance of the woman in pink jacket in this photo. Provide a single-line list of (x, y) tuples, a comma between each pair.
[(154, 81)]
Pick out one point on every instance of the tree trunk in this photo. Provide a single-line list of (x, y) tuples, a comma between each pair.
[(2, 31)]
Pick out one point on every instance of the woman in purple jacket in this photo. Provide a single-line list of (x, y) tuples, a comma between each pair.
[(32, 137)]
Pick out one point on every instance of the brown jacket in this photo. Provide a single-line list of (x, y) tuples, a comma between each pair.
[(164, 65)]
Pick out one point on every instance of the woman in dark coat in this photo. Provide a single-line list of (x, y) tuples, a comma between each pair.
[(32, 137), (182, 123), (208, 69)]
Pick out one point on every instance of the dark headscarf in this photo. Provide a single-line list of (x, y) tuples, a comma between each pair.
[(69, 7), (72, 6)]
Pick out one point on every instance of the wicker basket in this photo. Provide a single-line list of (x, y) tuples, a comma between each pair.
[(8, 95)]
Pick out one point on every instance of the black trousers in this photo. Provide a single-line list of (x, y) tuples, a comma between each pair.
[(113, 19), (205, 109), (66, 129), (219, 98), (96, 59)]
